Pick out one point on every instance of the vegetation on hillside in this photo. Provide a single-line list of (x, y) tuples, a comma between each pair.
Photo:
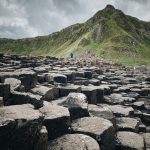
[(109, 33)]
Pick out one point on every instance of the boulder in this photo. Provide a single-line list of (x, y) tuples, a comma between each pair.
[(77, 105), (47, 93), (100, 129), (138, 105), (4, 91), (19, 127), (121, 111), (1, 102), (18, 98), (103, 112), (14, 83), (28, 77), (146, 116), (147, 140), (99, 94), (118, 99), (129, 141), (65, 90), (59, 78), (127, 124), (91, 94), (88, 74), (70, 75), (56, 120), (74, 142), (95, 82), (42, 142)]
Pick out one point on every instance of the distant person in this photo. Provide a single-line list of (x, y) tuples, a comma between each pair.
[(71, 55)]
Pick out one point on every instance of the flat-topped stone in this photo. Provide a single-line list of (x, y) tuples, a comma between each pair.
[(121, 111), (18, 98), (14, 83), (56, 77), (17, 124), (56, 120), (65, 90), (127, 124), (103, 112), (129, 141), (74, 142), (100, 129), (47, 93), (147, 140), (118, 99), (76, 103), (4, 90)]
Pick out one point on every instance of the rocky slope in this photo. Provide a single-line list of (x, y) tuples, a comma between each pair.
[(110, 33), (48, 103)]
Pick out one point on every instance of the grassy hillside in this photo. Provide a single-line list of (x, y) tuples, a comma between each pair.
[(109, 33)]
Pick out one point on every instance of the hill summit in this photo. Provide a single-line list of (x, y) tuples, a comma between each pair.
[(109, 33)]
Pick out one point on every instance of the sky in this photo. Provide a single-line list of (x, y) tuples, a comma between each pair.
[(30, 18)]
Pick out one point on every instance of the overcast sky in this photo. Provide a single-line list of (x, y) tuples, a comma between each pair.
[(29, 18)]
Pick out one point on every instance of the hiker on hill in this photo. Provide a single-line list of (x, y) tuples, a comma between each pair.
[(71, 55)]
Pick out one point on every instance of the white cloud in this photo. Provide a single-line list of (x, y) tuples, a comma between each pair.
[(28, 18)]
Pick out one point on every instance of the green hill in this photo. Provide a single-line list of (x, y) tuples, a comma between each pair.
[(109, 33)]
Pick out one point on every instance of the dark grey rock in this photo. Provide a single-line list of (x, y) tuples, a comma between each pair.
[(65, 90), (19, 127), (147, 140), (56, 120), (127, 124), (100, 129), (121, 111), (4, 91), (103, 112), (47, 93), (76, 103), (18, 98), (59, 78)]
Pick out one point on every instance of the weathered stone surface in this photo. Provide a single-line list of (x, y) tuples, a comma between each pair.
[(24, 98), (91, 94), (147, 140), (74, 142), (121, 111), (28, 78), (112, 87), (77, 105), (47, 93), (18, 124), (94, 82), (14, 83), (65, 90), (99, 94), (42, 142), (138, 105), (129, 141), (4, 90), (103, 112), (127, 124), (1, 102), (146, 116), (100, 129), (59, 78), (118, 99), (57, 120)]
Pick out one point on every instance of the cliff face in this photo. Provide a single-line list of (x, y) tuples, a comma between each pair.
[(109, 33)]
